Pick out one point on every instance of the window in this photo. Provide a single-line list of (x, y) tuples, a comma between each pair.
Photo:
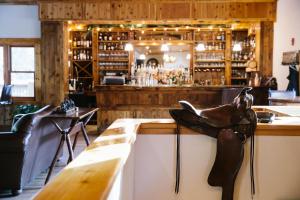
[(1, 68), (22, 71), (18, 66)]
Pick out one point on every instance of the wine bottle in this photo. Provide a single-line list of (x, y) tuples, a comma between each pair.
[(74, 42)]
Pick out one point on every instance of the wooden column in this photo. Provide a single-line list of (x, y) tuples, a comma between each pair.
[(228, 57), (54, 49), (266, 48)]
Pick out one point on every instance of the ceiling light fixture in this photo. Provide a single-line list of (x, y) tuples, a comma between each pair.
[(164, 47), (142, 57), (237, 47)]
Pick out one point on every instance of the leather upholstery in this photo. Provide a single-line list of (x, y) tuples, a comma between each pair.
[(6, 94), (28, 149)]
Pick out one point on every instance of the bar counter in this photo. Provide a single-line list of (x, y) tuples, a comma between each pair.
[(127, 101), (94, 174)]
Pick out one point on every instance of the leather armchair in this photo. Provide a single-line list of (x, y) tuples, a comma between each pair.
[(6, 97), (27, 149)]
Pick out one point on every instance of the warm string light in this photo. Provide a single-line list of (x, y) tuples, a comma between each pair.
[(81, 27)]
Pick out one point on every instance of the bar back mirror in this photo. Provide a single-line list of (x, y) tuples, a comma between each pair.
[(163, 55)]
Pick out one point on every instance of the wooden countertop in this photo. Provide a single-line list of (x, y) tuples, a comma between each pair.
[(92, 174), (163, 87)]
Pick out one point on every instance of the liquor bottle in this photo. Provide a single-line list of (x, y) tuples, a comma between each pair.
[(219, 36), (100, 36), (78, 43), (87, 56), (74, 55), (101, 46), (74, 42), (78, 55), (223, 36)]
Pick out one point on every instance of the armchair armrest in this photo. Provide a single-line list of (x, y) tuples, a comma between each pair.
[(16, 118)]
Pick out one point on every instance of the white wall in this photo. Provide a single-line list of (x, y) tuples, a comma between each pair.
[(286, 27), (19, 21), (277, 168)]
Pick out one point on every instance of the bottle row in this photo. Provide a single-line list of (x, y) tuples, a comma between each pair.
[(235, 73), (114, 55), (211, 35), (243, 56), (210, 46), (111, 46), (109, 36), (210, 56), (246, 43), (113, 63), (210, 65), (209, 77), (238, 64), (112, 68), (81, 42), (82, 55)]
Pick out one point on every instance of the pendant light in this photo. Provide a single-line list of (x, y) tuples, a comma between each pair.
[(237, 47), (164, 47)]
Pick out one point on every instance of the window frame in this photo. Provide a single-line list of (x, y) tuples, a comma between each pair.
[(7, 45)]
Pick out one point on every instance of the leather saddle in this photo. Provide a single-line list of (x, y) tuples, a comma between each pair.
[(231, 125)]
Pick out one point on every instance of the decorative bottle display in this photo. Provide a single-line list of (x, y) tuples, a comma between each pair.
[(209, 68), (112, 57), (81, 64), (209, 60), (243, 50), (147, 75)]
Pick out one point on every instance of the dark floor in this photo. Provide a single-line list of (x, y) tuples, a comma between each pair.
[(30, 190)]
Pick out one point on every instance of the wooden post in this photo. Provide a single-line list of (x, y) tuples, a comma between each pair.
[(54, 58), (228, 58), (266, 48)]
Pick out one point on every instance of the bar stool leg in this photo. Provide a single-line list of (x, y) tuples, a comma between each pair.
[(71, 155), (61, 144), (87, 141), (75, 141)]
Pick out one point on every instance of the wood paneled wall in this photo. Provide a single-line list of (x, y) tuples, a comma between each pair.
[(54, 60), (158, 10)]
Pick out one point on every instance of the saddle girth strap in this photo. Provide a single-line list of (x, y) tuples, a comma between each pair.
[(177, 158), (252, 165)]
